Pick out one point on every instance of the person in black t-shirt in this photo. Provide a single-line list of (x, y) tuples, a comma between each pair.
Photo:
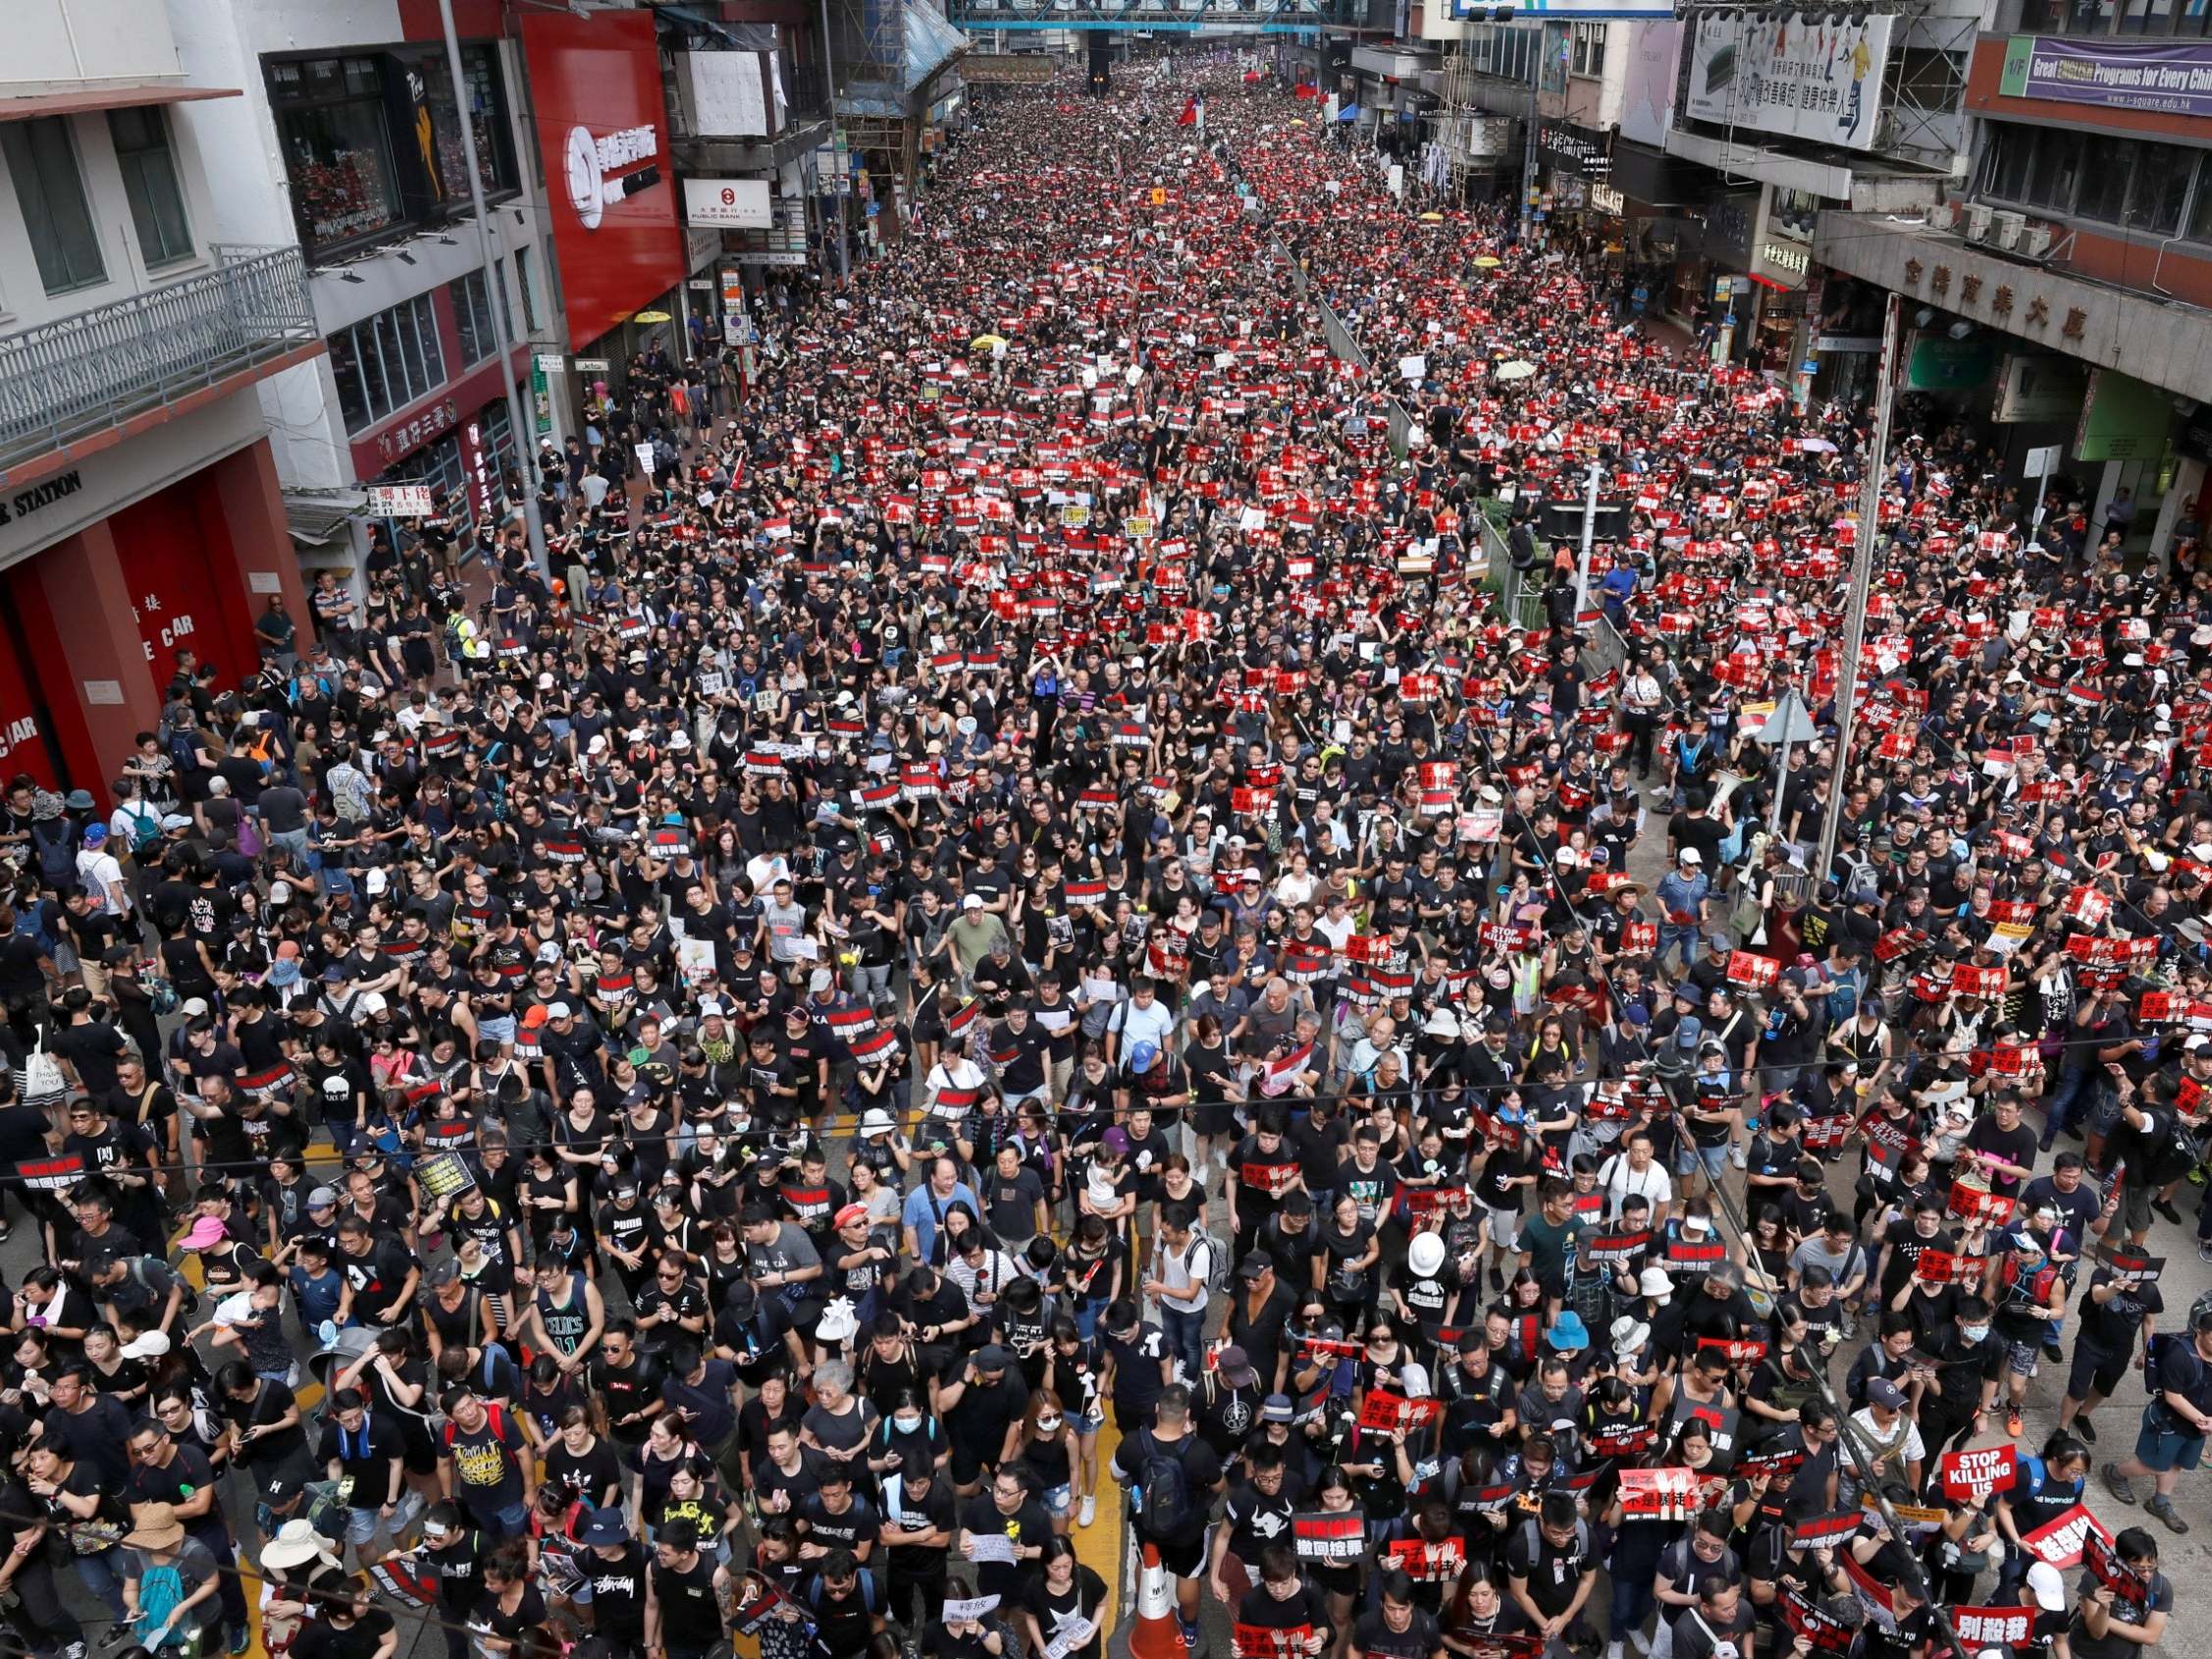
[(1397, 1629), (1283, 1601), (1718, 1626)]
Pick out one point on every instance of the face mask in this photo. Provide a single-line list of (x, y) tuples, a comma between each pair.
[(1046, 1425), (906, 1424), (1973, 1333)]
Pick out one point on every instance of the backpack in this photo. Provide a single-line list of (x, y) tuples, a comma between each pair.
[(1217, 1261), (495, 1419), (178, 741), (1532, 1538), (2175, 1152), (1163, 1489), (161, 1592), (1843, 999)]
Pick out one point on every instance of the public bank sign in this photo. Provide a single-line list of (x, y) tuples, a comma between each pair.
[(2172, 77)]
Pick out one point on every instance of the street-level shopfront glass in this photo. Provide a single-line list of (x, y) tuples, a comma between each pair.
[(444, 463), (1775, 338), (372, 144)]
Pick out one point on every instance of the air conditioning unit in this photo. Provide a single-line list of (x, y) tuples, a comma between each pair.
[(2009, 229), (2036, 240), (1943, 216), (1977, 220)]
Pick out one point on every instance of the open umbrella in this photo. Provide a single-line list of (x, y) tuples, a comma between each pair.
[(1518, 369), (1488, 262), (1295, 122), (986, 343), (650, 317), (1432, 218)]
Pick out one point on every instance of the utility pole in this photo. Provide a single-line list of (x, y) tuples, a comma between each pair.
[(525, 454), (1861, 582), (1589, 535), (1528, 139), (842, 183)]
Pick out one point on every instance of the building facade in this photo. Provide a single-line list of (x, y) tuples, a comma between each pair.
[(2064, 291), (141, 525)]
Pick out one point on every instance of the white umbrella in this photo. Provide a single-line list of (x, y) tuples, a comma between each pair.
[(1518, 369), (1817, 446)]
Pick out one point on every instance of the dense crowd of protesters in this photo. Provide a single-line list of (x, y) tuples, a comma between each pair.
[(1037, 902)]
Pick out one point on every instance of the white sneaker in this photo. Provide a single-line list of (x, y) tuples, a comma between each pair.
[(1088, 1513), (1613, 1650), (1641, 1642), (1736, 1154)]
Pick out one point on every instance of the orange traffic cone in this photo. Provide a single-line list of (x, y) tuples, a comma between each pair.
[(1157, 1633)]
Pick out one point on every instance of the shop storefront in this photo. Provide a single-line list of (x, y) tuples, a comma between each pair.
[(1652, 190), (1711, 278), (121, 565), (1571, 162), (450, 432)]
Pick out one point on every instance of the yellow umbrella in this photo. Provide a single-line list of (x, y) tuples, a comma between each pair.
[(1432, 218), (650, 317), (986, 343), (1489, 262), (1295, 122)]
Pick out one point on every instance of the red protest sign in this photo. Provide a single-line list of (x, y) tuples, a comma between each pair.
[(1500, 1646), (1824, 1530), (1737, 1350), (1943, 1266), (1826, 1133), (1826, 1632), (1384, 1411), (2111, 1572), (1337, 1540), (1659, 1494), (1624, 1442), (1993, 1627), (1262, 1642), (1426, 1562), (2058, 1541), (1271, 1180), (1972, 1204), (1973, 1475)]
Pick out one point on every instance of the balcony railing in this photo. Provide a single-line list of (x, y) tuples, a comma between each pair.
[(71, 379)]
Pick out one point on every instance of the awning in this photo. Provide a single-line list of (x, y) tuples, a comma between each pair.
[(695, 23), (318, 517), (930, 41), (89, 100), (1351, 112)]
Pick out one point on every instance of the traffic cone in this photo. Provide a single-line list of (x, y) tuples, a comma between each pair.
[(1157, 1633)]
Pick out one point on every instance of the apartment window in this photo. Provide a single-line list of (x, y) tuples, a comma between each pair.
[(506, 305), (472, 315), (2147, 17), (2160, 187), (1589, 49), (2104, 178), (2057, 164), (337, 155), (495, 157), (2199, 227), (522, 281), (50, 189), (149, 181), (2002, 168), (386, 362)]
